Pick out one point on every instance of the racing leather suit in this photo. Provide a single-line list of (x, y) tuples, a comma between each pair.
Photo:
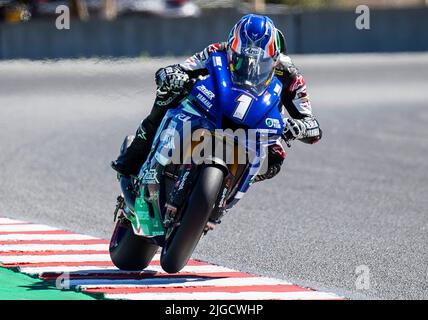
[(294, 100)]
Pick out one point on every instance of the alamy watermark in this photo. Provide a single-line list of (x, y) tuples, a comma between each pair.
[(63, 281), (185, 145), (62, 22), (363, 20), (363, 277)]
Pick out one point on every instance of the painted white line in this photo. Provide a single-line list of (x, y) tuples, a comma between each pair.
[(12, 237), (62, 269), (25, 227), (59, 258), (95, 269), (52, 247), (301, 295), (56, 258), (10, 221), (166, 282)]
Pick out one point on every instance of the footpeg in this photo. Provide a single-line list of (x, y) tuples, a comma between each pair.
[(211, 226)]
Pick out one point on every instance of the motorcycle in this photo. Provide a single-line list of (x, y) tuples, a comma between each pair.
[(172, 204)]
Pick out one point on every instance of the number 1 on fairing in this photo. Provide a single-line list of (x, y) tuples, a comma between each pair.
[(243, 105)]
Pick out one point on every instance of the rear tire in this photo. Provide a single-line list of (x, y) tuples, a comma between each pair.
[(181, 244), (129, 251)]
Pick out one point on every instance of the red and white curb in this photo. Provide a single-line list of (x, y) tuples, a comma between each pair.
[(84, 261)]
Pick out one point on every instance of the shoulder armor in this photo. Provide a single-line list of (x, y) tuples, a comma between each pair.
[(285, 64)]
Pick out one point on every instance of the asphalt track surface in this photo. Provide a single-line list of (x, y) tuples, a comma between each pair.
[(359, 197)]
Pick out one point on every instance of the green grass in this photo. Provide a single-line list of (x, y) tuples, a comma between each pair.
[(18, 286)]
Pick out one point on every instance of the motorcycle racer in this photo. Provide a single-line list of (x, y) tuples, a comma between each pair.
[(252, 31)]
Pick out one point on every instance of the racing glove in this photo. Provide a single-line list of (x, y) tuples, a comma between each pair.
[(171, 79), (306, 128), (275, 158), (293, 129)]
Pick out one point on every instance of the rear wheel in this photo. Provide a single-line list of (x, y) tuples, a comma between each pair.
[(128, 251), (182, 242)]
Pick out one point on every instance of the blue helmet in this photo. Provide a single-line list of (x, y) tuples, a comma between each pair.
[(253, 47), (255, 30)]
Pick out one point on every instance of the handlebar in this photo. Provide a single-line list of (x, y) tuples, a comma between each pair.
[(189, 85)]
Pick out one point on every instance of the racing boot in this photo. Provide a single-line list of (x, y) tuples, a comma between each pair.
[(133, 157)]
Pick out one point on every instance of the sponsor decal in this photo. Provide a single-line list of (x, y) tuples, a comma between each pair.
[(279, 72), (217, 62), (273, 123), (204, 100), (150, 177), (183, 180), (142, 134), (298, 82), (266, 131), (222, 202), (165, 102), (266, 96), (278, 149), (277, 88), (252, 51), (183, 117), (208, 93)]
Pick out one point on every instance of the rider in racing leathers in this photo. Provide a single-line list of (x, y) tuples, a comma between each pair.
[(301, 124)]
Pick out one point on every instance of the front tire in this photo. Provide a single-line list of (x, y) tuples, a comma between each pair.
[(181, 244), (129, 251)]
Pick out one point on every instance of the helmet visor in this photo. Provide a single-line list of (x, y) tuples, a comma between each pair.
[(251, 69)]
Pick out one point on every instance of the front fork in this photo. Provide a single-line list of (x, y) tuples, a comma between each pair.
[(175, 203)]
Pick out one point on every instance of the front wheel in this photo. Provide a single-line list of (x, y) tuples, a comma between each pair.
[(129, 251), (182, 242)]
